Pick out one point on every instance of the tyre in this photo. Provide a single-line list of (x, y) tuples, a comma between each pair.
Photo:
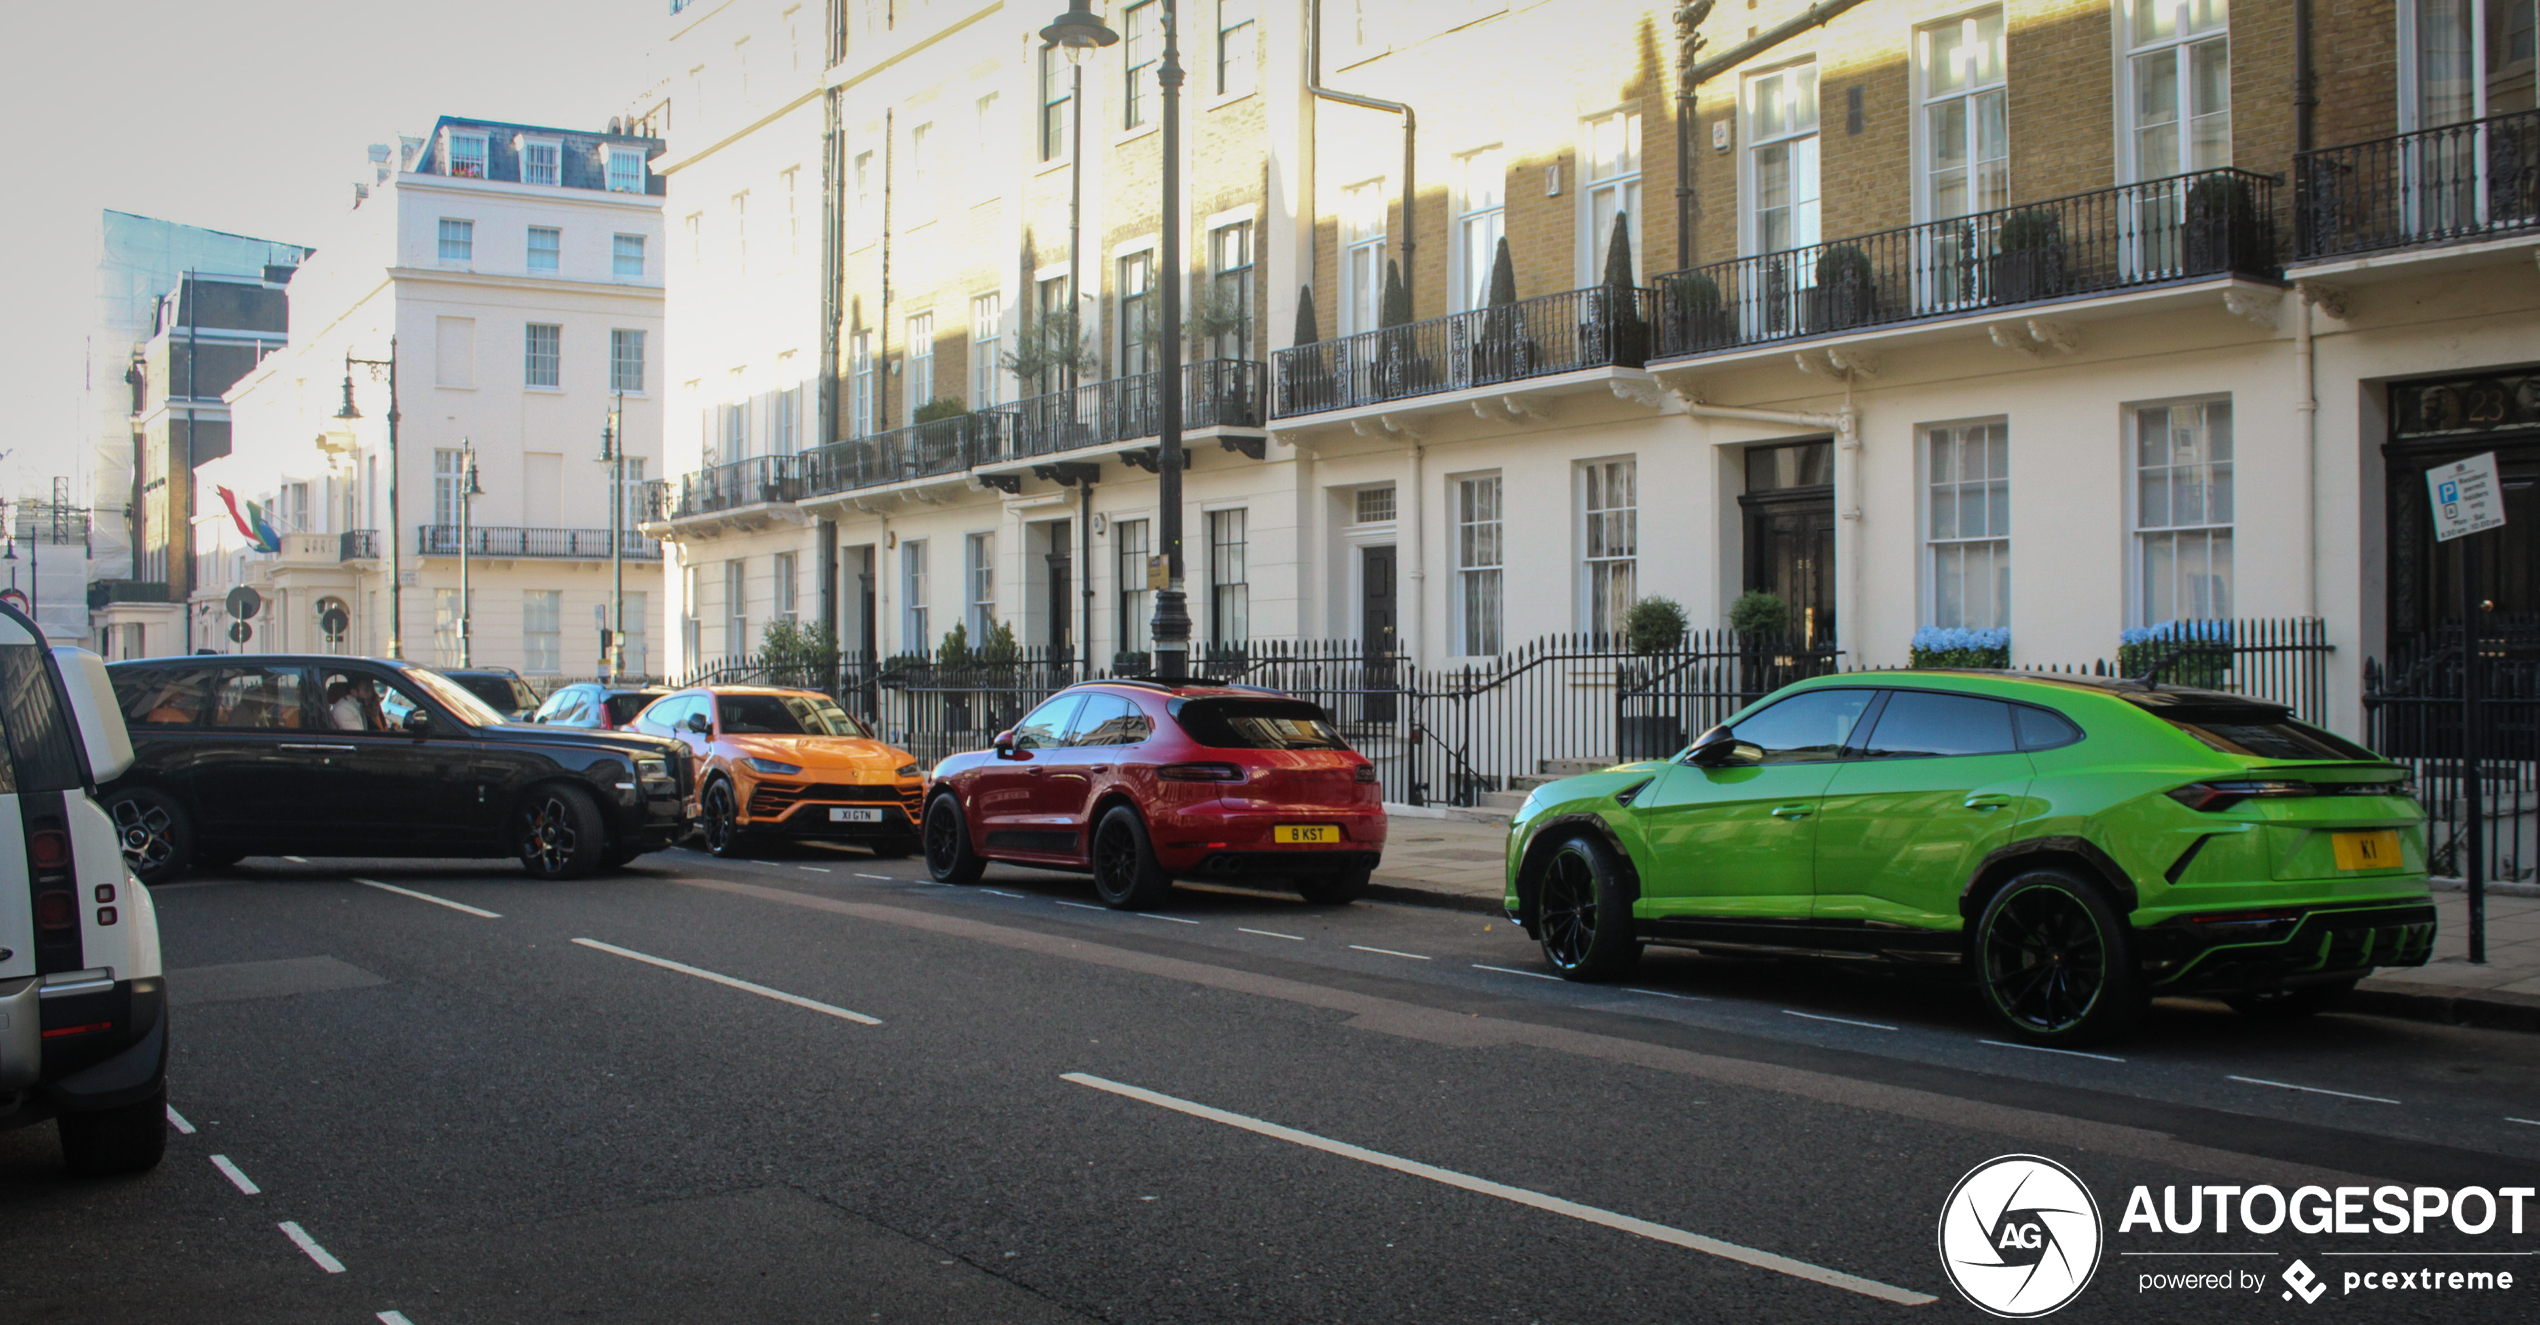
[(156, 834), (129, 1139), (2054, 961), (2286, 1004), (1583, 912), (1126, 876), (949, 858), (1336, 889), (719, 820), (557, 833)]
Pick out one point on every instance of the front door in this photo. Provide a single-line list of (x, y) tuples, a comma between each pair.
[(1018, 804), (1378, 630), (1788, 508), (1938, 785), (398, 786), (1737, 841)]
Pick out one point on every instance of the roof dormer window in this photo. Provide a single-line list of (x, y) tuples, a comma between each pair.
[(625, 170), (541, 161), (463, 155)]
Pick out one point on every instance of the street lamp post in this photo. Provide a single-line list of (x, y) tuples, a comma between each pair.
[(468, 493), (1078, 34), (613, 454), (385, 369)]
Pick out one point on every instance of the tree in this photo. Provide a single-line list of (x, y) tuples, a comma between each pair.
[(1396, 309), (1503, 277), (1307, 333), (1055, 344), (1622, 297)]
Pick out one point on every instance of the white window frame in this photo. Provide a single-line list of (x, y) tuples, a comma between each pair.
[(1229, 576), (455, 231), (530, 356), (530, 148), (921, 175), (784, 421), (1605, 188), (987, 342), (861, 387), (791, 177), (741, 232), (915, 635), (785, 580), (1240, 288), (1136, 259), (2180, 44), (1807, 204), (1601, 519), (917, 375), (691, 620), (542, 631), (2141, 536), (618, 255), (736, 607), (621, 380), (624, 166), (1135, 602), (1481, 221), (458, 142), (530, 249), (1141, 49), (1970, 90), (979, 584), (1365, 211), (1052, 139), (1946, 540), (1479, 608), (1238, 49)]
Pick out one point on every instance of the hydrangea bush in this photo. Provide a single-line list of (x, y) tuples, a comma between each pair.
[(2140, 648), (1959, 646)]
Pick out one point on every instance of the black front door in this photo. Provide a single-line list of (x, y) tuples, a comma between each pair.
[(1788, 508), (1378, 629), (1062, 590)]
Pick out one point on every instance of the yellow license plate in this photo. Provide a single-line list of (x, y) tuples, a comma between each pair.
[(1306, 833), (2376, 850)]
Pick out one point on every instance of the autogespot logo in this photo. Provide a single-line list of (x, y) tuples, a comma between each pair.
[(2020, 1236)]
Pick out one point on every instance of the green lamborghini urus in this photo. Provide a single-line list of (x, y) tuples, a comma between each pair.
[(2073, 846)]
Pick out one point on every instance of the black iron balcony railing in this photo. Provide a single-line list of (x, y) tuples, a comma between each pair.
[(757, 480), (2459, 182), (443, 540), (1215, 393), (357, 545), (2186, 227), (1554, 333), (921, 450)]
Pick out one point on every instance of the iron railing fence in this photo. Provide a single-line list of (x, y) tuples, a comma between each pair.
[(1216, 393), (2280, 659), (728, 486), (2204, 224), (920, 450), (2457, 182), (2416, 714), (357, 545), (443, 540), (1453, 734), (1554, 333)]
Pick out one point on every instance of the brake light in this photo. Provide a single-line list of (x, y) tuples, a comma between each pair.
[(51, 848), (56, 910), (1210, 772), (2213, 797), (90, 1028), (1364, 773)]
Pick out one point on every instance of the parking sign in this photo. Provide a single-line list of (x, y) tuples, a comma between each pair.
[(2466, 498)]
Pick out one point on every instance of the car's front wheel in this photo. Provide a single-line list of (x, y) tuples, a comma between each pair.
[(156, 835), (719, 819), (557, 833), (1583, 912), (949, 858), (2054, 961), (1126, 875)]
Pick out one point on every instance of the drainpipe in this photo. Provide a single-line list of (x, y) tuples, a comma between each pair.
[(882, 329), (1085, 576), (2306, 407), (1417, 637), (1410, 136), (2305, 98), (1845, 423)]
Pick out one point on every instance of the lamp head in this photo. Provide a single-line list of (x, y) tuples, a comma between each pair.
[(1079, 33), (348, 412)]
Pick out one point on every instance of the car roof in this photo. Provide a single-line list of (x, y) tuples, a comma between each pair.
[(2135, 690), (757, 690), (1183, 690), (270, 660)]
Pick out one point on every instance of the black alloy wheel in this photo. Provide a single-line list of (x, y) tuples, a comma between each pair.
[(1584, 912), (949, 858), (2053, 961), (558, 834), (719, 820), (1126, 875), (156, 836)]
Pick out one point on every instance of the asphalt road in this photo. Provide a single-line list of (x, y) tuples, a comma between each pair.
[(820, 1089)]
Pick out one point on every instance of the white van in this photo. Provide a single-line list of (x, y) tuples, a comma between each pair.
[(83, 1007)]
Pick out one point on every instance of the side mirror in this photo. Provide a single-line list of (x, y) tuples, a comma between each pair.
[(697, 724), (417, 722), (1718, 747), (1004, 744)]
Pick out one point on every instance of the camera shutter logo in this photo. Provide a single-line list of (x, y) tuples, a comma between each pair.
[(2020, 1236)]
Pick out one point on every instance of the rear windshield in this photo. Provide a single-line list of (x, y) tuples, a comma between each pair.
[(623, 708), (785, 715), (2260, 733), (1258, 724)]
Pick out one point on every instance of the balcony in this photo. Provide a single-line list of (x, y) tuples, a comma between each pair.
[(759, 480), (2457, 184), (443, 540), (934, 449), (1216, 393), (357, 545), (1540, 337), (2178, 230)]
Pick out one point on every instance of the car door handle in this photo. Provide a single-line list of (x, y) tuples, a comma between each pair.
[(1038, 772), (1100, 768), (1793, 811), (345, 749), (1988, 801)]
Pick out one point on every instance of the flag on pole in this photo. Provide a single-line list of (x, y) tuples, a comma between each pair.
[(251, 521)]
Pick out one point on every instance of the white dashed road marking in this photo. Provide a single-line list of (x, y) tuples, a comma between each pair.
[(1843, 1020), (2313, 1090), (884, 877), (727, 981), (297, 860), (2527, 1122), (427, 897), (1661, 993), (1175, 919), (994, 893), (177, 1121), (1081, 906), (1553, 1204), (236, 1178), (394, 1318), (1390, 952), (2039, 1048), (813, 868), (1510, 970), (292, 1230), (1294, 938)]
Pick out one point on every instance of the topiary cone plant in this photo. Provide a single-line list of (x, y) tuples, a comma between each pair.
[(1498, 352), (1629, 345)]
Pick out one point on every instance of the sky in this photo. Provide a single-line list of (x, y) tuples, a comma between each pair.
[(249, 116)]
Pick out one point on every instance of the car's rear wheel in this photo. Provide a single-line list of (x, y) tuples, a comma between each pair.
[(127, 1139), (2286, 1004), (156, 834), (2054, 961), (719, 819), (1583, 912), (1335, 889), (557, 833), (1126, 875), (949, 858)]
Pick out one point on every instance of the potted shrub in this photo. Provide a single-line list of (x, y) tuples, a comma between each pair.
[(1937, 646), (1654, 625), (1621, 333), (1759, 613), (1695, 316), (2222, 226), (1846, 293), (2028, 258)]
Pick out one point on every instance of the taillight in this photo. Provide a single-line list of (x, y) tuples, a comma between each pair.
[(2213, 797), (56, 910), (51, 848), (1365, 774), (1199, 773)]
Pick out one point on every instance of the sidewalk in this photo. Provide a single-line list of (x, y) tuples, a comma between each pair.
[(1458, 863)]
